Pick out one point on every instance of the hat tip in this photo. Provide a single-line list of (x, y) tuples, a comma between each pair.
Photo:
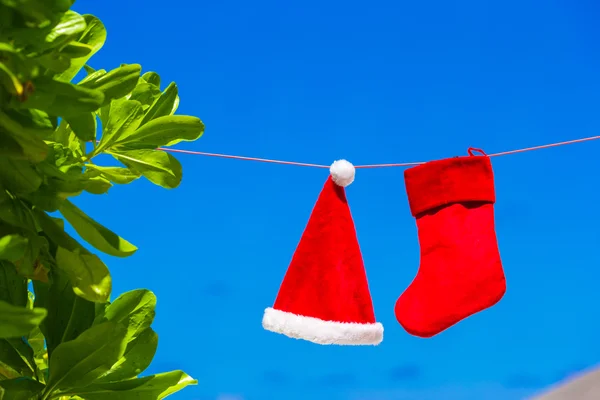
[(342, 172)]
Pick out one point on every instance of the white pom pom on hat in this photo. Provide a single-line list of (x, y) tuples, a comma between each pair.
[(342, 172)]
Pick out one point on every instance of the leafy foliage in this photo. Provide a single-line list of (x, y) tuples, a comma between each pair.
[(64, 339)]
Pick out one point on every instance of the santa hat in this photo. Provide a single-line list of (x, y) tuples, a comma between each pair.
[(324, 297)]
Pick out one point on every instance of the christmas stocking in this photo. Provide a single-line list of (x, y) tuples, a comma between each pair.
[(460, 272)]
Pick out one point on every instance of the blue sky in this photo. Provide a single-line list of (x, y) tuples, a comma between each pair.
[(373, 82)]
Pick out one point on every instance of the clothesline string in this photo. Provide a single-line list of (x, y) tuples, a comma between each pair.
[(406, 164)]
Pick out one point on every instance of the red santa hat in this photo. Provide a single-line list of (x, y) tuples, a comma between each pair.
[(324, 297)]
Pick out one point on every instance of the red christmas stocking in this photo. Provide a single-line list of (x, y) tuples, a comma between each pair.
[(460, 272)]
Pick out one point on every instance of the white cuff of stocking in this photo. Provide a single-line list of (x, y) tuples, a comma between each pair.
[(322, 332)]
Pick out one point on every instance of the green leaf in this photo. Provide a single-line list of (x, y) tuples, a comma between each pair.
[(29, 139), (30, 299), (27, 264), (12, 247), (42, 124), (79, 362), (93, 36), (22, 66), (154, 387), (52, 33), (152, 78), (55, 232), (137, 358), (166, 104), (18, 321), (4, 198), (46, 198), (116, 83), (16, 358), (68, 152), (146, 93), (14, 212), (65, 136), (89, 70), (60, 181), (63, 98), (163, 131), (134, 309), (83, 125), (68, 314), (54, 61), (19, 176), (62, 164), (70, 24), (124, 117), (20, 389), (92, 75), (99, 309), (59, 221), (9, 80), (95, 234), (76, 50), (157, 166), (7, 47), (36, 341), (13, 288), (117, 175), (33, 10), (97, 185), (104, 114), (88, 274), (9, 147)]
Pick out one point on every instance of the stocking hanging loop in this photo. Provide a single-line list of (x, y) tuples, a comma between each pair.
[(476, 150)]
